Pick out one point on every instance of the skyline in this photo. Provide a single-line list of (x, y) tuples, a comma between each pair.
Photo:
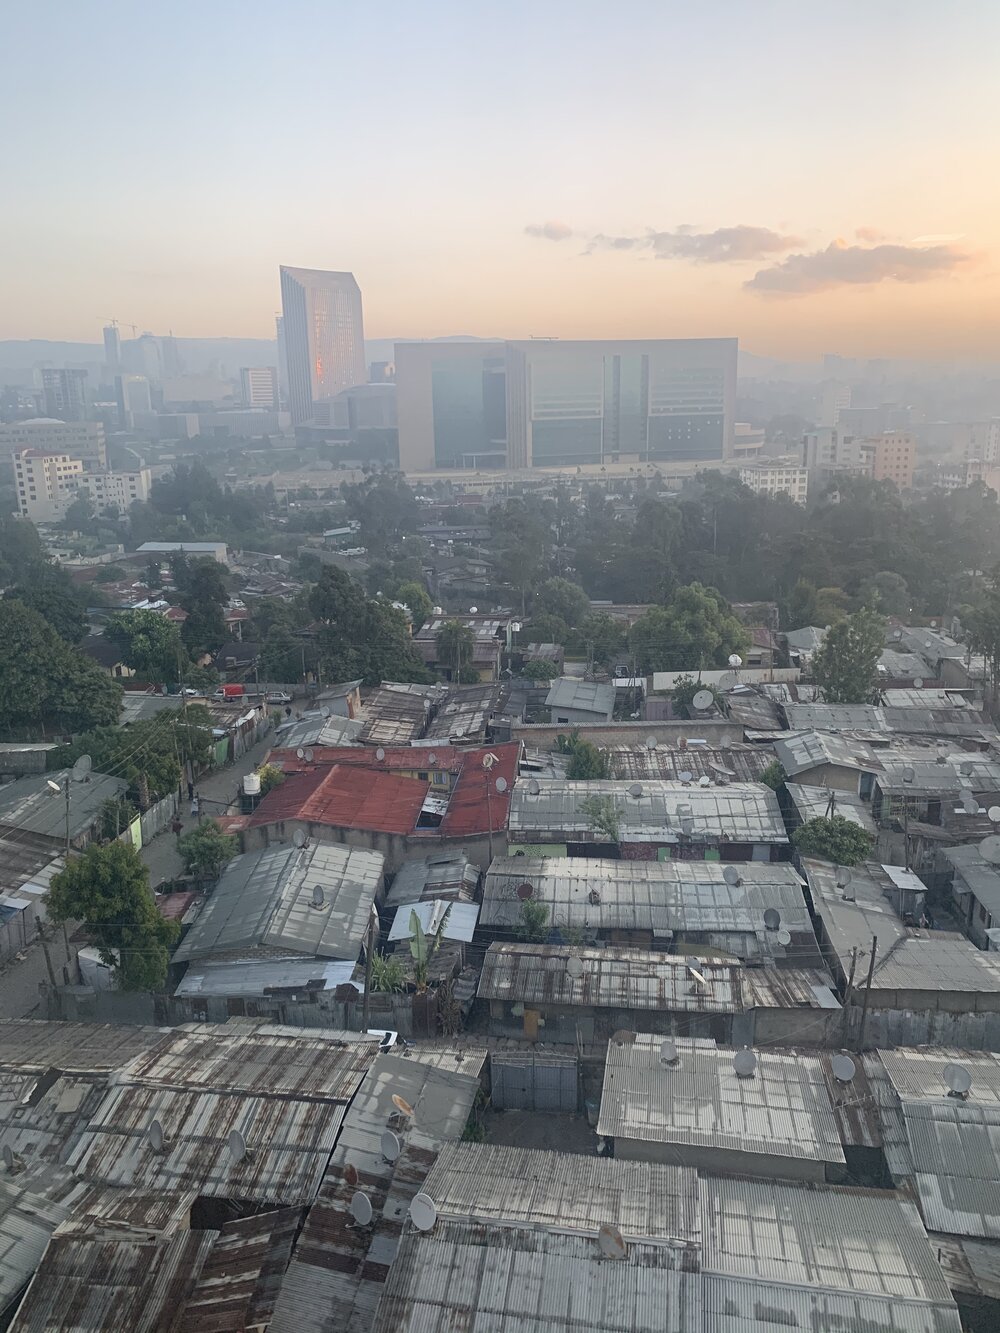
[(804, 182)]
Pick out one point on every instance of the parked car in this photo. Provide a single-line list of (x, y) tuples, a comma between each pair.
[(278, 697)]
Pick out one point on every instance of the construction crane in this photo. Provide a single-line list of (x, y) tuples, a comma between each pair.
[(109, 319)]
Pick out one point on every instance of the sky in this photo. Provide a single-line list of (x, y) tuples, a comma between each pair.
[(807, 177)]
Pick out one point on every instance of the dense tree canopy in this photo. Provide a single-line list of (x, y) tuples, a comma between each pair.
[(834, 839), (148, 754), (696, 626), (845, 667), (560, 597), (206, 850), (47, 589), (361, 637), (149, 643)]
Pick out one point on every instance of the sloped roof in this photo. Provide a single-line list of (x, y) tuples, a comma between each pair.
[(344, 796)]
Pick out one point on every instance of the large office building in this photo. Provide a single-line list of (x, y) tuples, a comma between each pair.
[(549, 403), (64, 394), (259, 386), (79, 439), (324, 336)]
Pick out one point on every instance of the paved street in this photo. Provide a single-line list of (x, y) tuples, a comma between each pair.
[(19, 981)]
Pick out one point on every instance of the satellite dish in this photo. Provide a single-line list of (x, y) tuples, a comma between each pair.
[(325, 711), (732, 877), (918, 683), (957, 1080), (685, 776), (989, 849), (993, 814), (300, 753), (745, 1063), (423, 1212), (668, 1052), (697, 977), (623, 1037), (635, 790), (432, 759), (844, 877), (390, 1145), (318, 899), (969, 803), (703, 699), (299, 838), (380, 754), (401, 1104), (309, 756), (897, 634), (650, 743), (525, 890), (473, 610), (533, 788), (82, 767), (784, 937), (154, 1136), (237, 1146), (772, 918), (908, 775), (501, 785), (574, 966), (735, 661), (612, 1243), (9, 1160), (843, 1068), (704, 781), (361, 1208)]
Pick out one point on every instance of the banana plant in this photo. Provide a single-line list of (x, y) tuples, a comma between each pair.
[(422, 949)]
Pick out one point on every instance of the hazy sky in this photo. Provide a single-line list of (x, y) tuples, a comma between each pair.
[(808, 177)]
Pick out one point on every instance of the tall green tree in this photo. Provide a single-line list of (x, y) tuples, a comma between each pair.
[(982, 625), (44, 683), (147, 754), (887, 593), (107, 888), (414, 595), (206, 850), (695, 629), (21, 548), (602, 637), (149, 644), (201, 584), (587, 763), (845, 666), (48, 589), (560, 597), (455, 645)]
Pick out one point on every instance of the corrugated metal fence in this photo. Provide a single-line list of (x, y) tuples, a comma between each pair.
[(527, 1081)]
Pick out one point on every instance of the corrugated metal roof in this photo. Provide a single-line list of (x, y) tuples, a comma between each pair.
[(521, 1186), (738, 1305), (445, 875), (318, 729), (814, 803), (782, 1111), (455, 921), (27, 1220), (345, 796), (612, 978), (256, 977), (919, 1074), (241, 1278), (810, 749), (266, 899), (30, 806), (461, 1275), (289, 1143), (975, 875), (937, 962), (850, 921), (36, 1045), (732, 763), (43, 1116), (585, 696), (835, 717), (740, 812)]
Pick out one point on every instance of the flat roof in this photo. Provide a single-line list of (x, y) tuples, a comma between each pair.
[(587, 696), (31, 806)]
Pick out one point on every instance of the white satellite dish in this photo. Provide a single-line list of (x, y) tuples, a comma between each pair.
[(772, 918), (704, 781), (993, 814), (635, 790), (361, 1208), (745, 1063), (732, 877), (784, 937), (299, 838), (300, 753), (843, 877), (325, 711), (703, 699), (154, 1136), (668, 1052), (735, 661), (989, 849), (697, 977), (897, 634), (309, 756), (574, 966), (432, 759), (843, 1068), (318, 898), (380, 754), (969, 803), (612, 1243), (390, 1145), (402, 1105), (82, 767), (423, 1212), (501, 785), (907, 775), (473, 610), (237, 1146), (650, 742), (685, 776), (957, 1080), (533, 788), (918, 683)]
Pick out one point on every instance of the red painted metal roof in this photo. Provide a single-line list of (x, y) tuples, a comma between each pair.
[(470, 805), (345, 797), (449, 759)]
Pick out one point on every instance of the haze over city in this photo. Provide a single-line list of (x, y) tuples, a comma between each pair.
[(805, 179)]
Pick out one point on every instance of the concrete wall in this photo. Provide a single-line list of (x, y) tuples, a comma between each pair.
[(716, 733), (829, 775), (721, 1159), (395, 847)]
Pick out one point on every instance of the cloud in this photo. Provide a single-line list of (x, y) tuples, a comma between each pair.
[(726, 245), (871, 235), (939, 238), (843, 265), (549, 231)]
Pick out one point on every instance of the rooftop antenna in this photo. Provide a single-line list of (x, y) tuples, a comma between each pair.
[(732, 877), (432, 759), (423, 1212), (957, 1080), (993, 814), (907, 775), (735, 661), (299, 838), (310, 755), (390, 1145), (784, 937), (703, 699), (697, 977), (533, 788), (318, 899), (361, 1208), (402, 1105), (351, 1174), (843, 1068), (685, 776), (501, 785), (745, 1063), (612, 1243), (154, 1136), (668, 1053), (704, 781), (237, 1145), (574, 966), (772, 918), (635, 790)]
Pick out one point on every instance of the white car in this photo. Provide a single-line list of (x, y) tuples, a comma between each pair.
[(278, 697)]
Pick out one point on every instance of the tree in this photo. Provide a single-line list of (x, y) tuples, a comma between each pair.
[(601, 814), (602, 637), (270, 777), (696, 628), (982, 624), (206, 850), (834, 839), (79, 515), (545, 628), (281, 655), (455, 646), (685, 688), (414, 596), (540, 669), (362, 637), (107, 888), (845, 666), (44, 683), (559, 597), (587, 763), (48, 590), (887, 593), (20, 547), (802, 608), (831, 605), (147, 754), (774, 776), (533, 923), (149, 644), (202, 586), (423, 950)]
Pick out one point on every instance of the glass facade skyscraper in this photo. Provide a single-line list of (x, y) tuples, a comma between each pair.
[(324, 336)]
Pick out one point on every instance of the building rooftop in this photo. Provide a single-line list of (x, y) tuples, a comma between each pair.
[(936, 961), (398, 714), (266, 900), (814, 803), (810, 749), (317, 729), (35, 1046), (464, 715), (729, 764), (585, 696), (440, 875), (661, 812), (974, 874), (782, 1111), (343, 796), (455, 921), (273, 976), (29, 805)]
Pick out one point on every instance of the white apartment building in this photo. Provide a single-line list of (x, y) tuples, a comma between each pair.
[(777, 476), (259, 386), (79, 439), (45, 484), (120, 489)]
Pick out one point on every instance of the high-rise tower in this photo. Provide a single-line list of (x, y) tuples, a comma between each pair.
[(324, 336)]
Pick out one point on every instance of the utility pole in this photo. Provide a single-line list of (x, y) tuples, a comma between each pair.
[(847, 993), (66, 787), (369, 950), (868, 986)]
